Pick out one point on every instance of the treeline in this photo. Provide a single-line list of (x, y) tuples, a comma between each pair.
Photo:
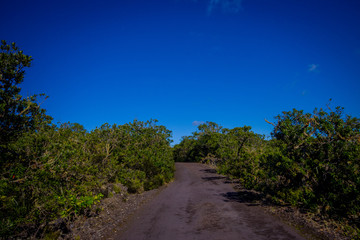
[(51, 172), (312, 160)]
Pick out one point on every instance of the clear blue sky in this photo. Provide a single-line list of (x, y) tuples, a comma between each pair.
[(185, 61)]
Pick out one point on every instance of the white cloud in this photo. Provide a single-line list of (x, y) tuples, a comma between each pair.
[(212, 5), (197, 123), (313, 67), (233, 6)]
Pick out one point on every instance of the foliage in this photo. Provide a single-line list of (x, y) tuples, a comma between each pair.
[(235, 151), (61, 171), (312, 160), (317, 160), (17, 114), (50, 172)]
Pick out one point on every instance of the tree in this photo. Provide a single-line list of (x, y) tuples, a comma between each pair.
[(17, 114)]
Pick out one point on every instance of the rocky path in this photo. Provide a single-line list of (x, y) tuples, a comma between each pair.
[(201, 204)]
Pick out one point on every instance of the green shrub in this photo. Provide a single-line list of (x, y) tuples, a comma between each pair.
[(50, 172), (312, 160)]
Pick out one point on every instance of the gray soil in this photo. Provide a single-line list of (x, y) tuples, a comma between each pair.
[(116, 211), (201, 204)]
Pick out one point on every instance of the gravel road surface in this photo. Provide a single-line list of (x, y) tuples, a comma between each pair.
[(200, 204)]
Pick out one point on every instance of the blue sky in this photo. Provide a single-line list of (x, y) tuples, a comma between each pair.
[(184, 62)]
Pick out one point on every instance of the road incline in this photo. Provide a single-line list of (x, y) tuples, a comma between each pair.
[(201, 205)]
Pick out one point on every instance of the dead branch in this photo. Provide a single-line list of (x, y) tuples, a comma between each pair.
[(270, 122)]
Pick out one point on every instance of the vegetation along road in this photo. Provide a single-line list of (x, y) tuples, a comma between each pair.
[(62, 181), (200, 204)]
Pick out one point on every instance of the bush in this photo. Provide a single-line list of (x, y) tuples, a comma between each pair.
[(312, 160), (59, 171), (50, 172)]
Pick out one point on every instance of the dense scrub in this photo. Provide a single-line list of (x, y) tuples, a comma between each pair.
[(51, 172), (312, 160), (62, 171), (236, 152)]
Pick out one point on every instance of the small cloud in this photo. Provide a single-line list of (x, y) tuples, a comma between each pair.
[(313, 67), (232, 6), (304, 92), (212, 5), (197, 123)]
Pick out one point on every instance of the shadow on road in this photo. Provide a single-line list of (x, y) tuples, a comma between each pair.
[(212, 178), (209, 170), (241, 195), (251, 198), (215, 176), (245, 196)]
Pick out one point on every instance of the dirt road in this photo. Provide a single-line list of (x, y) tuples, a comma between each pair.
[(199, 205)]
